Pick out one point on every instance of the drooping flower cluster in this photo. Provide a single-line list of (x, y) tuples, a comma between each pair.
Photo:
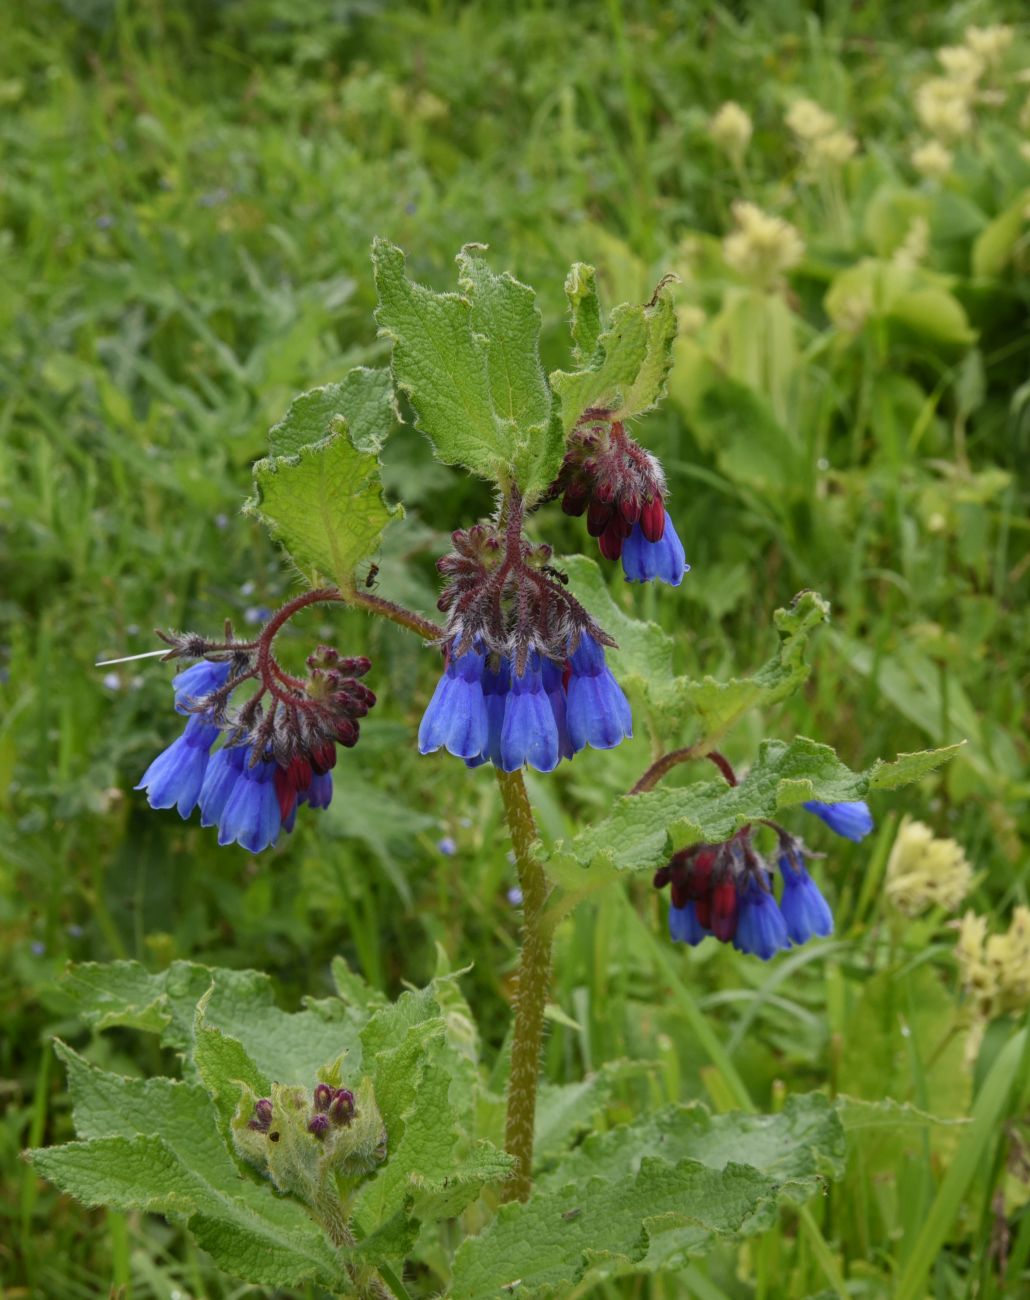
[(726, 890), (621, 487), (272, 759), (525, 680)]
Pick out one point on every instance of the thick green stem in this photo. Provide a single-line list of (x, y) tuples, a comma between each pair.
[(531, 994)]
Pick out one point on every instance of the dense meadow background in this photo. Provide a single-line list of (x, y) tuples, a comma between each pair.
[(187, 199)]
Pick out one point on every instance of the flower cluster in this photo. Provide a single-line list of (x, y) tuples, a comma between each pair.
[(762, 247), (271, 760), (484, 711), (731, 129), (819, 136), (621, 487), (995, 968), (726, 890), (924, 871)]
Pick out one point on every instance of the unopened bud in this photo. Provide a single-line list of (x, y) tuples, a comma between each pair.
[(262, 1120), (323, 1096), (341, 1108), (318, 1125)]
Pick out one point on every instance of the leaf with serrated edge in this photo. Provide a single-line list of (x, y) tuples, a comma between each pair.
[(594, 1213), (642, 831), (364, 398), (325, 505), (718, 705), (585, 311), (559, 1237), (505, 314), (442, 365), (153, 1144), (287, 1046), (628, 369)]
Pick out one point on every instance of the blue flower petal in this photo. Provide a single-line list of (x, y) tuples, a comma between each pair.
[(251, 815), (597, 711), (805, 911), (175, 777), (223, 771), (197, 681), (761, 929), (554, 688), (529, 733), (644, 561), (684, 925), (852, 820), (456, 716), (319, 793)]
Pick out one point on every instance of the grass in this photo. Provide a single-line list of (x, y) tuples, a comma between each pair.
[(188, 199)]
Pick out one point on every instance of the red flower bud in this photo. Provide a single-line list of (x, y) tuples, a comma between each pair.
[(597, 518), (724, 911), (652, 519)]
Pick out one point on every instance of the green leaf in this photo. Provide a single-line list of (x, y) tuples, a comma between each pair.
[(627, 370), (995, 246), (153, 1145), (585, 307), (718, 705), (288, 1047), (565, 1110), (223, 1064), (644, 1196), (443, 366), (643, 831), (364, 399), (907, 768), (325, 505)]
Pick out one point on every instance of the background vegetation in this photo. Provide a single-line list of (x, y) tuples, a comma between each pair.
[(188, 197)]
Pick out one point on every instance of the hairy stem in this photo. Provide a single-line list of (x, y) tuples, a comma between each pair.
[(406, 618), (531, 993), (662, 766)]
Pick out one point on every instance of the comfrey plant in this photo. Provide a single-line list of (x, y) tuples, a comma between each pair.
[(362, 1146)]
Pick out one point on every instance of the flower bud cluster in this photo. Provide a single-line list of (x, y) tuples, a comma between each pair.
[(278, 748), (726, 890), (621, 488)]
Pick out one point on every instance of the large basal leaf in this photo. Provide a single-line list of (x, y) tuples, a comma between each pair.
[(324, 502), (627, 368), (153, 1145), (288, 1047), (643, 831), (648, 1195)]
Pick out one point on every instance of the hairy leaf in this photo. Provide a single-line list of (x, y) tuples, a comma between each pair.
[(643, 831), (585, 308), (364, 399), (629, 365), (325, 504), (288, 1047), (442, 364), (153, 1145), (647, 1195)]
